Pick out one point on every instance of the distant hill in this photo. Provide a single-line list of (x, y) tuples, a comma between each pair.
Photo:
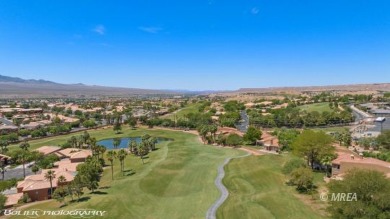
[(13, 87), (19, 80), (373, 88)]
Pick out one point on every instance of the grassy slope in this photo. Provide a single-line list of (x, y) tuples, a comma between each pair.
[(191, 108), (257, 190), (320, 107), (176, 182)]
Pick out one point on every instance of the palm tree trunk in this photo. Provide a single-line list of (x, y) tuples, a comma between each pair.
[(24, 171), (112, 171), (51, 188)]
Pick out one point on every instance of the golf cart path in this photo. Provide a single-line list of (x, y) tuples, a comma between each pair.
[(212, 212)]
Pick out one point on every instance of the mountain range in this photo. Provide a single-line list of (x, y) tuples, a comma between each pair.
[(14, 87)]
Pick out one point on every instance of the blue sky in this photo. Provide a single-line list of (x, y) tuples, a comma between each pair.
[(197, 45)]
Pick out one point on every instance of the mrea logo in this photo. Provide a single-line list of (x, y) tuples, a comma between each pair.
[(339, 197)]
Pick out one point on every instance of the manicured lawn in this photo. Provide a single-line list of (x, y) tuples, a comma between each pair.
[(191, 108), (257, 190), (177, 180), (320, 107)]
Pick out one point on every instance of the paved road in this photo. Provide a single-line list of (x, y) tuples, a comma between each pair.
[(17, 172), (243, 125), (6, 121), (212, 212), (360, 115)]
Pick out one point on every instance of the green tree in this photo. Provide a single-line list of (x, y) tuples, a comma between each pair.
[(59, 194), (384, 139), (117, 127), (302, 178), (3, 146), (233, 140), (3, 199), (313, 146), (252, 135), (132, 122), (76, 188), (73, 141), (88, 173), (35, 169), (372, 191), (286, 137)]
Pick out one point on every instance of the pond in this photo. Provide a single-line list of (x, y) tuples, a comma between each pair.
[(109, 143)]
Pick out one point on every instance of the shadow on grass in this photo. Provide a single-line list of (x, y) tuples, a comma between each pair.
[(82, 199), (129, 172), (99, 193), (105, 187)]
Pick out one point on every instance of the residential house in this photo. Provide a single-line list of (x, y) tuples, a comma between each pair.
[(348, 161)]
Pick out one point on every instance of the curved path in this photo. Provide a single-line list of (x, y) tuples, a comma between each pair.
[(212, 212)]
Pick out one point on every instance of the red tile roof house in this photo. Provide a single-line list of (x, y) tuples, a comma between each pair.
[(74, 154), (12, 199), (46, 150), (270, 142), (347, 161), (37, 187)]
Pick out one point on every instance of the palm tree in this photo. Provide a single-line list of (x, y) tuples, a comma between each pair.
[(3, 145), (95, 150), (133, 146), (61, 179), (152, 143), (24, 146), (327, 162), (92, 143), (85, 137), (102, 149), (50, 175), (111, 155), (143, 150), (121, 156), (117, 142), (80, 141), (73, 141)]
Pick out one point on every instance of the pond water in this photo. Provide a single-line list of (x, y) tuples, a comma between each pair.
[(109, 143)]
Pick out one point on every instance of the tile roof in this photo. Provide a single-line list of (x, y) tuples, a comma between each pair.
[(349, 158), (13, 199), (48, 149)]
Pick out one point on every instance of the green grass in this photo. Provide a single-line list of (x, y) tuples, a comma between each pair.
[(320, 107), (333, 129), (177, 180), (258, 190), (191, 108)]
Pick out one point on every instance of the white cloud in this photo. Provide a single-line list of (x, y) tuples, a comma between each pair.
[(153, 30), (255, 10), (99, 29)]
